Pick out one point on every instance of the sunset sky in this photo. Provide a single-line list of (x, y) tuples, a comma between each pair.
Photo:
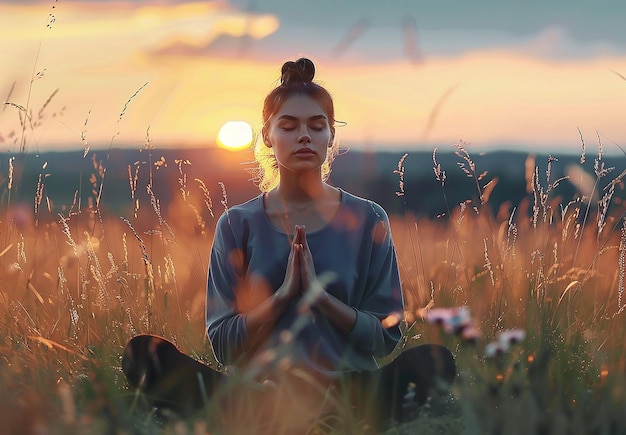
[(406, 75)]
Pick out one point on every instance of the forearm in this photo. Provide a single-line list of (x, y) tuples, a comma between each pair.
[(236, 336), (338, 313), (364, 329), (268, 312)]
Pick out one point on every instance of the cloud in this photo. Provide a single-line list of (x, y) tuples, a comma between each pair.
[(99, 53), (207, 63), (130, 27), (236, 28), (557, 43)]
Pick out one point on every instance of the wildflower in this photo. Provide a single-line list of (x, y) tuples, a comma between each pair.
[(460, 320), (470, 334), (494, 349), (504, 341), (511, 336), (457, 321), (439, 315)]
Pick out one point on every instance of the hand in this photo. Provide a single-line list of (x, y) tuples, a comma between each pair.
[(336, 311), (272, 308), (312, 288), (308, 277), (292, 284)]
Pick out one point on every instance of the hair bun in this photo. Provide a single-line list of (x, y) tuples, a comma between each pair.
[(300, 71)]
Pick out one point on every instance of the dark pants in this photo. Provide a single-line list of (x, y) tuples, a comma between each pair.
[(172, 380), (397, 390)]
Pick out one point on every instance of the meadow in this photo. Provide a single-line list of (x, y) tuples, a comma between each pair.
[(92, 255), (78, 279)]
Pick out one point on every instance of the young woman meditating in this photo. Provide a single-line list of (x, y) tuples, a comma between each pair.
[(303, 283)]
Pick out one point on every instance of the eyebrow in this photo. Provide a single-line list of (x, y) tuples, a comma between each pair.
[(293, 118)]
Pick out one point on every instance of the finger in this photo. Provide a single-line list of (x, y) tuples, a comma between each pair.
[(303, 269), (297, 248), (292, 254), (295, 263), (304, 242), (292, 274), (294, 239), (299, 266), (294, 260), (306, 264), (298, 234), (307, 259)]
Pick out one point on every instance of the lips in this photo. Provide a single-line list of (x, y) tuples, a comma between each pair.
[(305, 152)]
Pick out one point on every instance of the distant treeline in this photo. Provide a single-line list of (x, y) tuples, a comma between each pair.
[(504, 178), (119, 177)]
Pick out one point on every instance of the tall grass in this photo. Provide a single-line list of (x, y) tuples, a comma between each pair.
[(75, 286), (551, 266), (77, 281)]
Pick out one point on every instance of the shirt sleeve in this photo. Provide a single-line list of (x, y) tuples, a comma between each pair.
[(226, 327), (382, 298)]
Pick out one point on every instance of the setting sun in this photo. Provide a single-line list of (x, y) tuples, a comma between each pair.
[(235, 135)]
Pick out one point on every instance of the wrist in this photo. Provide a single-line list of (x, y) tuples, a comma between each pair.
[(322, 300), (281, 296)]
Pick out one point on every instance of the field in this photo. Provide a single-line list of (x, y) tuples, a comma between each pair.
[(78, 280)]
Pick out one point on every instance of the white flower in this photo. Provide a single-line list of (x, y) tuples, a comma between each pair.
[(504, 341), (511, 336), (494, 349)]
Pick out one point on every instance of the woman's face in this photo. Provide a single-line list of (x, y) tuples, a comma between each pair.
[(299, 133)]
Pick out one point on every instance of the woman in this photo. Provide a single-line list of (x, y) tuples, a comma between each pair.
[(304, 277), (271, 253)]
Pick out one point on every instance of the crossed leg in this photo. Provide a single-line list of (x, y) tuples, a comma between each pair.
[(170, 379)]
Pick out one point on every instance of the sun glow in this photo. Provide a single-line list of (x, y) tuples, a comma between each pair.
[(235, 135)]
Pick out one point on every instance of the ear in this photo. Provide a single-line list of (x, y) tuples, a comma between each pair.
[(266, 138)]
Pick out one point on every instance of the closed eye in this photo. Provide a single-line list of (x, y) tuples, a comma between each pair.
[(289, 123), (318, 126), (287, 126)]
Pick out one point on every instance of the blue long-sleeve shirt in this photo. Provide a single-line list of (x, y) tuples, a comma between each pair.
[(354, 251)]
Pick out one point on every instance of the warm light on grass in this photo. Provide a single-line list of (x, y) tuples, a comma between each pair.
[(537, 337), (235, 135), (543, 281)]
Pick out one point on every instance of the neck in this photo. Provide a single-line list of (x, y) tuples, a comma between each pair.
[(301, 188)]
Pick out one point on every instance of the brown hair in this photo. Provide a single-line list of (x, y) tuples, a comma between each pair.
[(296, 78)]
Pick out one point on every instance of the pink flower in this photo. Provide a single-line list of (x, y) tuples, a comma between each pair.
[(453, 320), (438, 315), (470, 333)]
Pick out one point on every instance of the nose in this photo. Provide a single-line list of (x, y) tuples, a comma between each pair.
[(304, 135)]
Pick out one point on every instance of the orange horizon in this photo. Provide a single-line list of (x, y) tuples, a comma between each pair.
[(123, 71)]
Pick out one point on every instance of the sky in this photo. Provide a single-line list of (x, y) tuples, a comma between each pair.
[(405, 74)]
